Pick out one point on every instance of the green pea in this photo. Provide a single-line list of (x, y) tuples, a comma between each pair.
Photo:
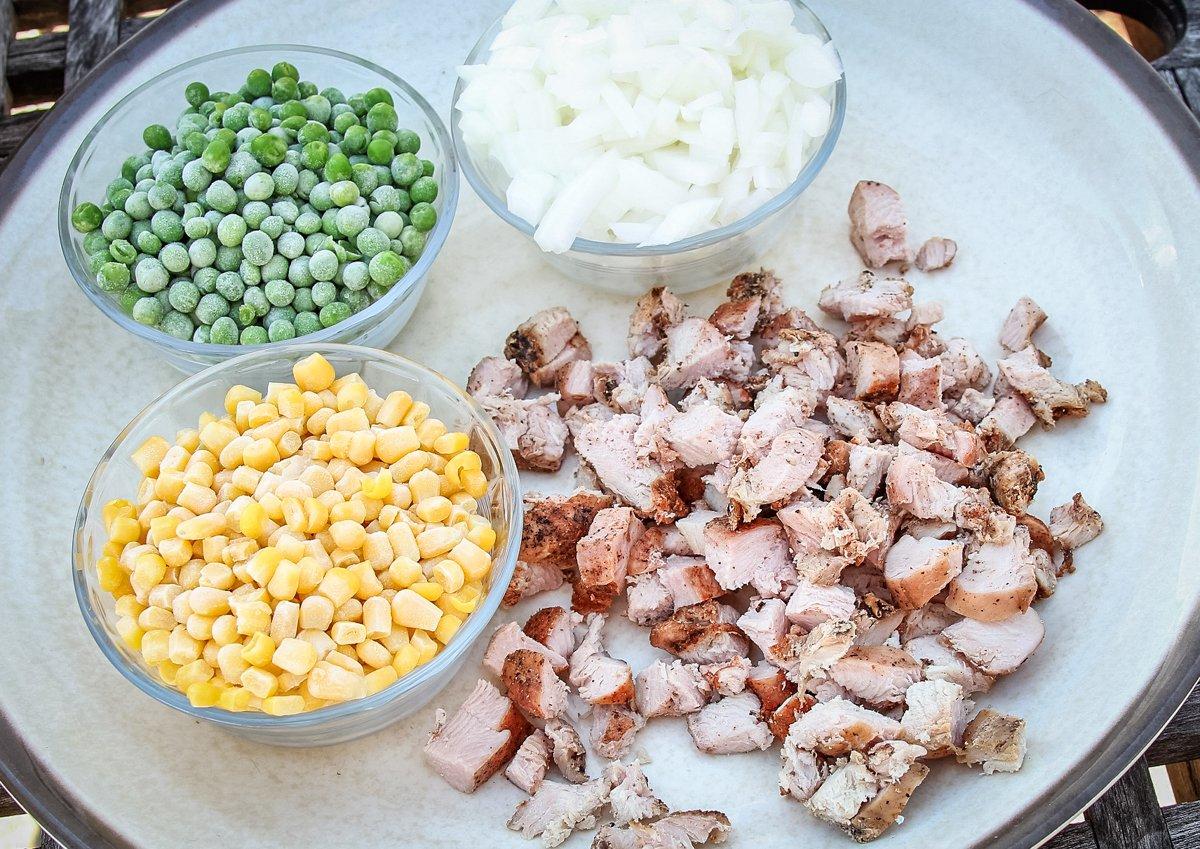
[(177, 324), (323, 293), (230, 286), (307, 322), (307, 223), (174, 258), (423, 216), (236, 118), (337, 168), (314, 155), (323, 265), (424, 190), (150, 275), (184, 295), (258, 247), (390, 224), (157, 137), (224, 331), (202, 334), (387, 267), (161, 196), (304, 299), (86, 217), (250, 273), (318, 109), (352, 220), (406, 169), (344, 121), (407, 141), (228, 258), (195, 94), (359, 104), (378, 95), (148, 311), (363, 175), (112, 277), (427, 168), (280, 292), (355, 276), (285, 88), (380, 152), (127, 299), (211, 307), (167, 225), (122, 251), (272, 226), (216, 156), (258, 83), (259, 186), (253, 335), (255, 212), (333, 313), (356, 139), (206, 279), (413, 241), (260, 119), (294, 109), (268, 149), (281, 330)]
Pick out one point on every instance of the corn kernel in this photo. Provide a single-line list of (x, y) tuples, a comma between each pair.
[(377, 617), (316, 612), (113, 579), (350, 395), (201, 527), (380, 679), (427, 589), (203, 694), (349, 535), (475, 562), (452, 443), (155, 645), (257, 650), (190, 673), (284, 582), (285, 621), (348, 633), (379, 486), (449, 574), (483, 536), (406, 659), (393, 409), (230, 661), (182, 647), (295, 656), (149, 454), (124, 530), (464, 601), (416, 414), (283, 705), (437, 540), (408, 466), (412, 610), (424, 484), (253, 617), (405, 572), (252, 520), (131, 633), (333, 683), (224, 630), (128, 605), (446, 628), (234, 698), (167, 671), (339, 586), (425, 645), (474, 482), (260, 682)]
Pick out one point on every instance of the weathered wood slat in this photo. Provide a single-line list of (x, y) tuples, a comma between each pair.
[(1186, 52), (49, 52), (6, 33), (40, 14), (94, 28), (13, 130), (1183, 821), (1078, 836), (8, 805), (1128, 815), (1180, 741)]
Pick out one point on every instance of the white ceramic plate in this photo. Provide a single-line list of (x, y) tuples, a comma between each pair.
[(1062, 174)]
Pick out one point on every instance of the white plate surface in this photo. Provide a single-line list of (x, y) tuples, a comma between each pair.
[(997, 128)]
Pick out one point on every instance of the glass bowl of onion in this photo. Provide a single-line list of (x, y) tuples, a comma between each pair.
[(644, 144)]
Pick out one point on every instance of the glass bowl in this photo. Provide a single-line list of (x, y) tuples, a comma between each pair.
[(687, 265), (117, 477), (159, 100)]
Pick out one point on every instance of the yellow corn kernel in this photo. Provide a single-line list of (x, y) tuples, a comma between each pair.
[(285, 621), (261, 454), (295, 656), (393, 443), (252, 520), (217, 434), (148, 570), (351, 394), (449, 575), (128, 605), (395, 406), (349, 511), (167, 671), (155, 646), (124, 530), (224, 629), (182, 647), (465, 600), (473, 482), (348, 633), (424, 484), (316, 612), (263, 564), (377, 550), (230, 661), (113, 509), (483, 536), (380, 679), (437, 540), (203, 526), (411, 464), (411, 610), (427, 589), (113, 579), (190, 673), (425, 645), (257, 650), (290, 401), (333, 683), (217, 575), (446, 628), (175, 552), (339, 585), (253, 617), (379, 486), (349, 535), (149, 455), (404, 572), (260, 682), (429, 432), (188, 438), (235, 699), (285, 581), (203, 694), (434, 509), (449, 444), (316, 422), (261, 414), (352, 420), (406, 659), (131, 632), (416, 414), (377, 617), (238, 393), (283, 705), (311, 573), (475, 562), (461, 462)]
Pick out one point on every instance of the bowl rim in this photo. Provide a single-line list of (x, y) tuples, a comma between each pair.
[(504, 560), (448, 189), (592, 246)]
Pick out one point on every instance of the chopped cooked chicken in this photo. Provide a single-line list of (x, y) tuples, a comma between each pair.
[(973, 406), (944, 664), (787, 409), (765, 623), (788, 464), (916, 570), (962, 369), (728, 677), (689, 580), (611, 449), (1022, 321), (837, 727), (532, 684), (567, 750), (914, 486), (849, 786), (695, 349), (853, 419), (933, 431), (876, 675), (994, 741), (574, 385), (936, 253), (531, 762), (471, 746), (1008, 421), (1013, 478), (820, 649), (1050, 398), (613, 730), (553, 627), (680, 830), (703, 435), (730, 725), (737, 319), (532, 429), (920, 381), (996, 582), (701, 633), (935, 715), (978, 515), (770, 684), (554, 524), (631, 798), (866, 467), (530, 579), (619, 387), (809, 360), (603, 559), (996, 648), (811, 604), (556, 810), (874, 371), (885, 809), (652, 315), (866, 296), (648, 553), (506, 640), (671, 689), (1075, 523), (828, 536), (599, 679), (755, 553), (647, 599), (577, 349), (761, 285), (878, 226), (497, 376), (538, 341), (723, 394)]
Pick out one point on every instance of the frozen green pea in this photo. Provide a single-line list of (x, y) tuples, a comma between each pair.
[(280, 292), (203, 252), (195, 94), (243, 315), (413, 242), (112, 277), (216, 156), (363, 175), (167, 225), (329, 223), (286, 211), (137, 206), (387, 267), (175, 258), (231, 230), (380, 152), (352, 220), (320, 198), (355, 276), (260, 186), (94, 241), (427, 168), (406, 169), (373, 292), (281, 330), (148, 311), (333, 313), (224, 331), (390, 223), (177, 324), (285, 177), (304, 299), (117, 225), (323, 265), (260, 119), (324, 292), (117, 191), (355, 140), (307, 322), (242, 165), (202, 334), (253, 335), (371, 241), (276, 313), (172, 175), (359, 301), (423, 190), (275, 269), (211, 307), (255, 298), (258, 247), (184, 295), (290, 245), (206, 279), (254, 213), (127, 299), (381, 116), (236, 117), (337, 168), (157, 137), (314, 154), (305, 183), (221, 196), (285, 88), (250, 273), (122, 251), (385, 199), (273, 226), (230, 286), (298, 273), (147, 242), (228, 259), (343, 193), (258, 82), (344, 121), (196, 177), (150, 275), (312, 131), (423, 217), (161, 196)]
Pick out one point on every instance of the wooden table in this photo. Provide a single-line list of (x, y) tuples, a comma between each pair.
[(70, 36)]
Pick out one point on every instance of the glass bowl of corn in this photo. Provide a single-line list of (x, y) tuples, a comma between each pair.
[(299, 545)]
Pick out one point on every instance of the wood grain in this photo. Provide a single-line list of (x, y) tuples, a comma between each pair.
[(6, 33), (94, 28), (1128, 815)]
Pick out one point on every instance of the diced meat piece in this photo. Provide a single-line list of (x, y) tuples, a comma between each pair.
[(876, 675), (556, 810), (837, 727), (730, 725), (631, 798), (812, 604), (765, 622), (533, 685), (934, 431), (531, 762), (620, 386), (553, 627), (920, 381), (728, 677), (540, 339), (497, 376), (647, 599), (577, 350), (929, 528), (532, 429), (1013, 478), (866, 296), (996, 648), (876, 621), (695, 349), (996, 582), (610, 448), (1050, 398), (977, 514), (820, 649), (785, 714), (762, 285), (554, 524), (506, 640), (878, 814), (691, 528), (603, 558), (671, 689), (737, 319), (800, 773), (653, 313), (936, 253), (878, 226), (916, 570), (935, 715), (866, 467), (847, 527), (701, 633), (768, 682), (788, 465), (530, 579), (648, 552), (840, 796), (680, 830), (573, 384), (477, 740), (599, 679), (962, 368), (994, 741), (809, 360), (787, 409), (755, 553), (613, 730), (853, 419), (567, 750), (689, 580), (1075, 523), (973, 406), (724, 394), (1040, 536), (1009, 420), (1020, 324), (915, 487), (703, 435), (874, 371), (943, 664)]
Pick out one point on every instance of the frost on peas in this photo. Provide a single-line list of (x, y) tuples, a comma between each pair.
[(352, 220), (285, 177), (324, 292), (221, 196), (323, 265), (333, 313), (359, 301), (276, 313), (253, 335), (385, 199), (201, 334), (228, 259), (258, 247), (272, 225), (167, 225), (423, 216), (281, 330), (286, 210), (206, 279), (203, 252), (306, 322), (148, 311), (175, 258), (243, 164), (122, 251), (177, 324), (280, 292), (211, 307), (390, 224), (250, 273), (117, 225), (290, 245), (355, 276), (259, 186), (231, 230), (371, 241), (161, 196), (406, 169), (183, 295), (230, 286), (298, 273), (304, 299), (95, 241), (255, 298), (150, 275), (243, 315), (329, 222), (412, 242), (137, 206), (255, 212), (363, 175), (275, 269), (147, 242), (224, 331), (315, 242), (112, 277), (196, 178)]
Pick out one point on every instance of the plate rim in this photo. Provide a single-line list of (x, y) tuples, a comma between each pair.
[(42, 795)]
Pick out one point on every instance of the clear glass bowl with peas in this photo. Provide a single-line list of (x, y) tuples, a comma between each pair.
[(260, 196)]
